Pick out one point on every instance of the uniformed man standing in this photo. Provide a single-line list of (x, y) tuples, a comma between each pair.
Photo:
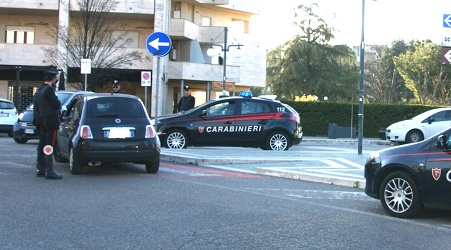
[(187, 101), (46, 119), (117, 87)]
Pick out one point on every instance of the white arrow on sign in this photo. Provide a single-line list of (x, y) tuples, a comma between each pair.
[(448, 56), (156, 44), (448, 20)]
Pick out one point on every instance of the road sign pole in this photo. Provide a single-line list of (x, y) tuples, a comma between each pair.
[(156, 90)]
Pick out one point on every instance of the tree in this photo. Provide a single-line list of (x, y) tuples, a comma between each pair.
[(383, 82), (307, 65), (90, 37), (423, 72)]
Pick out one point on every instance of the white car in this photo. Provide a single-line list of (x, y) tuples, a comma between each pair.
[(8, 116), (420, 127)]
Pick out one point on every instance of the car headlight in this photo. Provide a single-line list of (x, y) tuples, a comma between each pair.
[(374, 157)]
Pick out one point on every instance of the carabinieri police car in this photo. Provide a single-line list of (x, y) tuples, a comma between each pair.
[(409, 177), (243, 121)]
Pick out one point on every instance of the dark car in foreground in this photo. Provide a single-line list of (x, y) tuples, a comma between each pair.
[(99, 128), (243, 121), (409, 177), (24, 128)]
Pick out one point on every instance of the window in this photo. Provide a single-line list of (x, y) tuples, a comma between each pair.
[(249, 107), (20, 34), (223, 108)]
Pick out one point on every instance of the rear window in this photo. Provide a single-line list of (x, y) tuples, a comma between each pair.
[(6, 105), (111, 107)]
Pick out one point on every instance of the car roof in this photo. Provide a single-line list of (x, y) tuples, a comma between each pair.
[(97, 95), (5, 100)]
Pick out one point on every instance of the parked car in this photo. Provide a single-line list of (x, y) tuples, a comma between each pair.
[(244, 121), (419, 127), (409, 177), (8, 116), (24, 128), (98, 128)]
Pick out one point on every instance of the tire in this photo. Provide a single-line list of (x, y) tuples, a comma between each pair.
[(20, 140), (400, 195), (176, 139), (74, 164), (277, 141), (153, 166), (414, 136), (57, 154)]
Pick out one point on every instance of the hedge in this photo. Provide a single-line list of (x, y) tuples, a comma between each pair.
[(316, 116)]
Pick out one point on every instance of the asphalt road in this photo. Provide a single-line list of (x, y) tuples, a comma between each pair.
[(119, 206)]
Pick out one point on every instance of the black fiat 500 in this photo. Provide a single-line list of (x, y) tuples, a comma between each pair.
[(243, 121), (409, 177), (98, 128)]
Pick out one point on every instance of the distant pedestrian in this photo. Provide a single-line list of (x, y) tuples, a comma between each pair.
[(117, 87), (46, 109), (187, 101)]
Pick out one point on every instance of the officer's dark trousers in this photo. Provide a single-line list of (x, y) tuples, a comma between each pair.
[(46, 137)]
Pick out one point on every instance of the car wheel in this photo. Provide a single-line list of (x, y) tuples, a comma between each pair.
[(20, 140), (400, 195), (277, 141), (176, 139), (414, 136), (57, 154), (152, 167), (74, 164)]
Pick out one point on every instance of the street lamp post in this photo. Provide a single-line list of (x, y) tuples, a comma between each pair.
[(224, 49), (362, 77)]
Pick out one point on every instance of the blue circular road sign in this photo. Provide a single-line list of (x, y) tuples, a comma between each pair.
[(159, 44)]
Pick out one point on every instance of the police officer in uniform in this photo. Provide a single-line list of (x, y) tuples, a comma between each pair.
[(117, 87), (46, 119), (187, 101)]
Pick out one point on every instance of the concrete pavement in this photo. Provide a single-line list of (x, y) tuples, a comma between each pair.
[(308, 161)]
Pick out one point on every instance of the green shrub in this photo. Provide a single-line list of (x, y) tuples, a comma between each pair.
[(316, 116)]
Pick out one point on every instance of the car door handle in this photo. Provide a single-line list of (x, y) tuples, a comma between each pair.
[(263, 122), (228, 122)]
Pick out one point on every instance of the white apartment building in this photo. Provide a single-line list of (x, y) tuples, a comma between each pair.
[(193, 26)]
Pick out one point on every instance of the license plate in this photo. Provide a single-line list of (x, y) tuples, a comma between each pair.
[(119, 133), (29, 131), (4, 115)]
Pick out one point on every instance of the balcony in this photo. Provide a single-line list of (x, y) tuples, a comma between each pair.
[(29, 6), (181, 29), (138, 7), (33, 55), (23, 54), (211, 34), (202, 72)]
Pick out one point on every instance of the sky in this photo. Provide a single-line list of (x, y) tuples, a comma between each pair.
[(385, 20)]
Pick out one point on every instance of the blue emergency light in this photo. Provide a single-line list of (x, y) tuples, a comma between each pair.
[(245, 94)]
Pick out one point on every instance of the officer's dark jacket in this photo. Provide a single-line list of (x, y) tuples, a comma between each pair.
[(45, 102)]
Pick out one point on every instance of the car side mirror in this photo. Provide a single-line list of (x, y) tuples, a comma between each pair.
[(430, 120), (442, 142), (204, 113)]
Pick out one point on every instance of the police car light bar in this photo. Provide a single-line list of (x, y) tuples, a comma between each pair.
[(245, 94)]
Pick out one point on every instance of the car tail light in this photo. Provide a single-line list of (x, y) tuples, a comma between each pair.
[(85, 132), (294, 118), (150, 131)]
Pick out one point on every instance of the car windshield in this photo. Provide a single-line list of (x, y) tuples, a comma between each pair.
[(110, 107), (62, 96)]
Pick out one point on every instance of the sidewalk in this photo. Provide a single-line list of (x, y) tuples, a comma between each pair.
[(340, 166)]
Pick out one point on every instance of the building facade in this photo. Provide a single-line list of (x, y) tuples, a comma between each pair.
[(237, 63)]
